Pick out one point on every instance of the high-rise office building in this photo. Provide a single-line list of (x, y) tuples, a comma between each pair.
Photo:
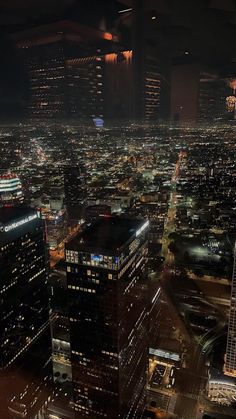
[(92, 92), (82, 72), (61, 359), (75, 185), (10, 190), (213, 92), (150, 77), (102, 85), (152, 90), (23, 274), (56, 226), (230, 358), (65, 75), (107, 308), (86, 86), (24, 304), (120, 72), (56, 191)]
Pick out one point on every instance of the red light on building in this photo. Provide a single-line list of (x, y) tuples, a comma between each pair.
[(108, 36)]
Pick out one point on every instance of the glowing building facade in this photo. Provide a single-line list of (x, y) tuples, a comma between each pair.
[(56, 226), (152, 90), (10, 190), (221, 389), (106, 282)]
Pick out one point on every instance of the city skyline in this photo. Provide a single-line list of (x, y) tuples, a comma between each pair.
[(117, 209)]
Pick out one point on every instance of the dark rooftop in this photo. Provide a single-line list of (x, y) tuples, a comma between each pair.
[(17, 221), (8, 214), (107, 233)]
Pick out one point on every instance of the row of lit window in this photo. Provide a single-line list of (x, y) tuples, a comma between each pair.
[(85, 389), (134, 268), (37, 274), (29, 342), (71, 256), (79, 408), (99, 264), (124, 269), (5, 288), (90, 290)]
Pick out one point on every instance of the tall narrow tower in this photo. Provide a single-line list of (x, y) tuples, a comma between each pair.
[(230, 363), (24, 311), (106, 280)]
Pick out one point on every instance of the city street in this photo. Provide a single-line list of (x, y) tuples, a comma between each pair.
[(170, 222), (59, 253), (190, 381)]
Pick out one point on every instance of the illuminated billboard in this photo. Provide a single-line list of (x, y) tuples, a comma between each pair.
[(15, 224)]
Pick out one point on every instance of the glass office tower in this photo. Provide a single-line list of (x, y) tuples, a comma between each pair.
[(107, 283), (230, 361), (75, 185), (23, 281), (24, 322)]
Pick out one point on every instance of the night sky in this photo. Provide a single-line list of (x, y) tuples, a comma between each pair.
[(205, 29)]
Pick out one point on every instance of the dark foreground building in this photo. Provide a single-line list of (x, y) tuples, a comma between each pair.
[(106, 281), (24, 299), (230, 357)]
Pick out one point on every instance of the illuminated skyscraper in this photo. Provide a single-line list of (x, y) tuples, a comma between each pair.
[(23, 289), (101, 85), (82, 72), (75, 185), (86, 86), (23, 280), (65, 76), (56, 226), (152, 90), (213, 92), (230, 361), (10, 190), (106, 281)]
